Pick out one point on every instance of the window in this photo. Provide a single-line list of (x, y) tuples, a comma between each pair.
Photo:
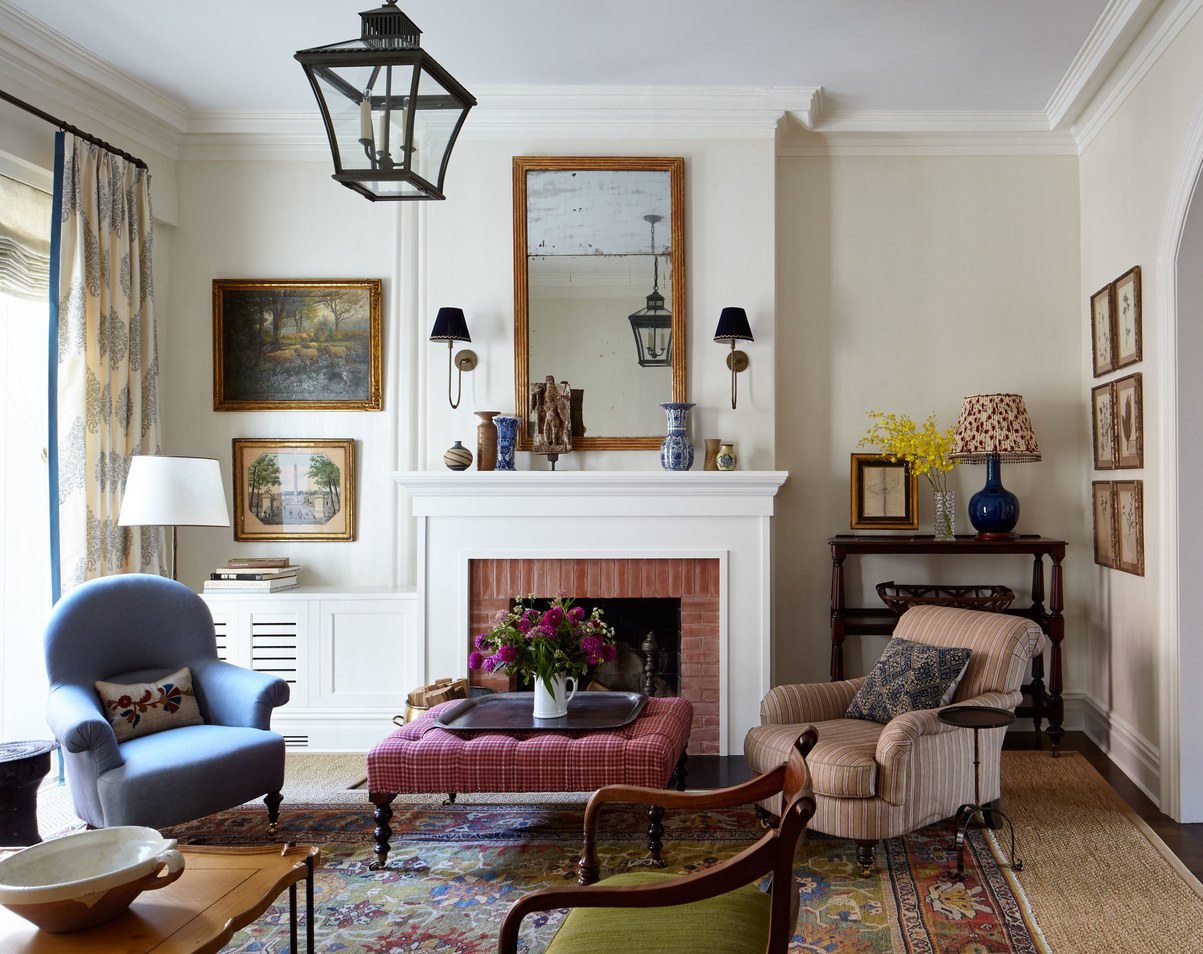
[(24, 503)]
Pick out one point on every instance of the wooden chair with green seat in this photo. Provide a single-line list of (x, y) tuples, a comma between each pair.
[(717, 911)]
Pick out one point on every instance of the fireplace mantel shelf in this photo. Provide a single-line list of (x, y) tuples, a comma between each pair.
[(600, 483)]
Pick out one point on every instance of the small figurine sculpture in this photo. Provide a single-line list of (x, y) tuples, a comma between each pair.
[(551, 408)]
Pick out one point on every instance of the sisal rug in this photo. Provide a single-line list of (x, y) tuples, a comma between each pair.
[(455, 870)]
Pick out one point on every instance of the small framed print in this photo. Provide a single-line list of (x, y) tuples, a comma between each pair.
[(1130, 526), (1129, 348), (883, 494), (1102, 403), (1102, 329), (1103, 494), (294, 489), (1128, 413)]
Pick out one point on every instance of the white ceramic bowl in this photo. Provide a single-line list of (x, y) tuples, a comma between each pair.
[(81, 880)]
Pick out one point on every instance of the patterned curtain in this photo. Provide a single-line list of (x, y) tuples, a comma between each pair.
[(104, 382)]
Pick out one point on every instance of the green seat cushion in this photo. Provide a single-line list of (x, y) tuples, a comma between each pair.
[(733, 923)]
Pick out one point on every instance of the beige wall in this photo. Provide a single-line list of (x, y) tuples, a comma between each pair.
[(1126, 174), (905, 284)]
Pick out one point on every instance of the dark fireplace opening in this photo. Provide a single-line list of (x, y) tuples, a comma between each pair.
[(634, 619)]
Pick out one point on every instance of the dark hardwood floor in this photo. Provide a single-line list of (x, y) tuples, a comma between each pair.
[(1185, 841)]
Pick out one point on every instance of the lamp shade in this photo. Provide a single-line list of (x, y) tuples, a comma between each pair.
[(450, 325), (994, 424), (733, 326), (174, 492)]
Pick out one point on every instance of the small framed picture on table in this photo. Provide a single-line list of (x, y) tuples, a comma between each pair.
[(883, 494)]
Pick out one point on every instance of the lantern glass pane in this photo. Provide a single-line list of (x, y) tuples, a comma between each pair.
[(435, 120)]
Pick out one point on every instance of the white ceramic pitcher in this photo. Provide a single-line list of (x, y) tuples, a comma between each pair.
[(554, 705)]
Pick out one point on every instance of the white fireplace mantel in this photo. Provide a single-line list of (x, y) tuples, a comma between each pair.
[(612, 515)]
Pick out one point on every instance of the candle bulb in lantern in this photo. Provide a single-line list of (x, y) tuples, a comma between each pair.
[(365, 118)]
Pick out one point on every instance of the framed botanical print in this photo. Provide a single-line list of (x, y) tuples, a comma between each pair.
[(883, 494), (1129, 348), (1102, 410), (1102, 329), (294, 489), (1130, 526), (1129, 422), (1103, 494), (296, 344)]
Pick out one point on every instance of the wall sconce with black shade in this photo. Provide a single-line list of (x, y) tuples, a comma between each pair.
[(451, 326), (653, 325), (392, 113), (733, 326)]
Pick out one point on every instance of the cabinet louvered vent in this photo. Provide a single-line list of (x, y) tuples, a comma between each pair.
[(296, 741), (222, 630), (274, 648)]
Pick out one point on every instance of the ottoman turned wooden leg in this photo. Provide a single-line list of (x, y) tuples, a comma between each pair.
[(382, 814)]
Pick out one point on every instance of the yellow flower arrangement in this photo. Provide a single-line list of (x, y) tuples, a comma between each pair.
[(925, 448)]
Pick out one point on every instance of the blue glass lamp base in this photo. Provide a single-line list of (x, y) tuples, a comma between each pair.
[(994, 510)]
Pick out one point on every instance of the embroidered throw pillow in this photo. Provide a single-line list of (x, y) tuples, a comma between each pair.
[(146, 707), (908, 676)]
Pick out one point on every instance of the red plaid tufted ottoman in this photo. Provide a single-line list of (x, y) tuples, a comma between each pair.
[(422, 758)]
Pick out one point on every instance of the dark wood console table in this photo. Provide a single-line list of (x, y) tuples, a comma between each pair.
[(1040, 702)]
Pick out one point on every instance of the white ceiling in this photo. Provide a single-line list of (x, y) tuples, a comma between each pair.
[(866, 54)]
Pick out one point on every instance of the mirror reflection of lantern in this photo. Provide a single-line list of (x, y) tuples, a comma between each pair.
[(652, 325)]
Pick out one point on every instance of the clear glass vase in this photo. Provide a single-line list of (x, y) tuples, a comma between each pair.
[(946, 514)]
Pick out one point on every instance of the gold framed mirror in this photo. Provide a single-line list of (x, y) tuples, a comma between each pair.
[(599, 292)]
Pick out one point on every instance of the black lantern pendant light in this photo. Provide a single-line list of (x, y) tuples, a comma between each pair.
[(392, 114), (653, 325)]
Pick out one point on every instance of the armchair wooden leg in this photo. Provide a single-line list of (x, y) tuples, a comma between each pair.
[(655, 835), (866, 857), (381, 815), (272, 800)]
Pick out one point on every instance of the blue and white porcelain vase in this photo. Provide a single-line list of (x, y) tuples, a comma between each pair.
[(676, 453), (507, 438)]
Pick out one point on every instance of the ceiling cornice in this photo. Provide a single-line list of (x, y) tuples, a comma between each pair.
[(68, 78)]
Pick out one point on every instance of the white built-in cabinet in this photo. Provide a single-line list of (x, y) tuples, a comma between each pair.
[(345, 652)]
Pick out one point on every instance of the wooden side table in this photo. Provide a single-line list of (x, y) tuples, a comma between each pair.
[(23, 765), (221, 891), (1040, 703)]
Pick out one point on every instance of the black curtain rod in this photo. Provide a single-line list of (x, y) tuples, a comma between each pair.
[(67, 127)]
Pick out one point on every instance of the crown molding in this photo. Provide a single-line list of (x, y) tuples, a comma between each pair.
[(1161, 29), (1112, 34), (68, 78), (919, 142)]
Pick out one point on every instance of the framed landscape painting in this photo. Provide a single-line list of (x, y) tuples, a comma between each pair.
[(1129, 348), (294, 489), (1129, 422), (883, 494), (301, 344), (1102, 329)]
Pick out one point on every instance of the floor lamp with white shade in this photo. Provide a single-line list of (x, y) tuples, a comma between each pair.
[(174, 492)]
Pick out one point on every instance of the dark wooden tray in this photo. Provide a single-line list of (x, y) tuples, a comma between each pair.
[(514, 712)]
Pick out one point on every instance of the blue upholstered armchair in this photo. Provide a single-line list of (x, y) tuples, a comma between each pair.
[(137, 628)]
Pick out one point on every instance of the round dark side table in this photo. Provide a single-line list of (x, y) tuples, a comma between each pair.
[(23, 765), (978, 718)]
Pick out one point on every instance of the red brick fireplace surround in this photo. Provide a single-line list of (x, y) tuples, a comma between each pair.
[(496, 583)]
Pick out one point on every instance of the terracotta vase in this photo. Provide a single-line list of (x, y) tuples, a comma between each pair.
[(486, 440), (712, 446)]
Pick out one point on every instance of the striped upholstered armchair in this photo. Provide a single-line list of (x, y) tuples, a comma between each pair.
[(875, 781)]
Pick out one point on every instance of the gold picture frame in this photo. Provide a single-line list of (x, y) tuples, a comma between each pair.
[(1128, 412), (322, 507), (522, 167), (1102, 329), (1130, 527), (281, 366), (1103, 522), (1102, 415), (877, 483), (1129, 319)]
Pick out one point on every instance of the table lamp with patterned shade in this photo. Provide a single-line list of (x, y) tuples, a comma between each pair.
[(994, 428)]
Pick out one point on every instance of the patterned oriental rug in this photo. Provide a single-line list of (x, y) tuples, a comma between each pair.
[(454, 871)]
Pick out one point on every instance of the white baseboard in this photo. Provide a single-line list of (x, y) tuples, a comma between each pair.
[(1136, 756)]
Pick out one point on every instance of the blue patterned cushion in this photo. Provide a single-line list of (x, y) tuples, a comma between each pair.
[(908, 676)]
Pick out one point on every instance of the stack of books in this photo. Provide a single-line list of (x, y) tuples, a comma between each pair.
[(253, 575)]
